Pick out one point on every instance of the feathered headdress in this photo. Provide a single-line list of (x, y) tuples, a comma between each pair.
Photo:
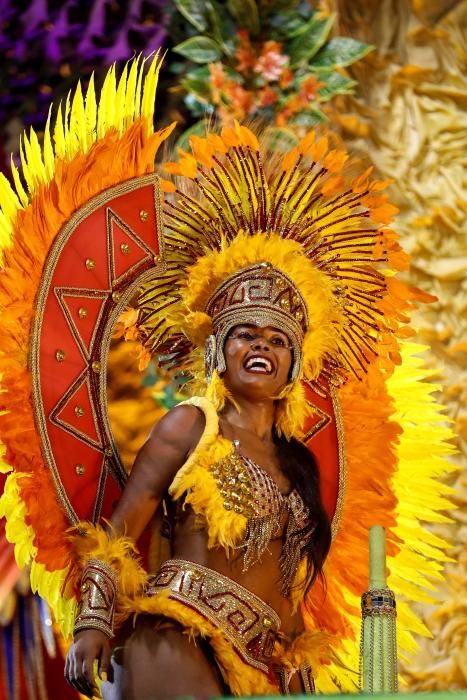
[(289, 240)]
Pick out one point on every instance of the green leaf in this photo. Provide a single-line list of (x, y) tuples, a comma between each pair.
[(197, 129), (280, 138), (222, 28), (197, 81), (309, 119), (336, 84), (246, 14), (199, 49), (197, 107), (306, 44), (288, 24), (193, 11), (340, 51)]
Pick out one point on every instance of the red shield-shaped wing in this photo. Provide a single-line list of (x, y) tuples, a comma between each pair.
[(104, 253)]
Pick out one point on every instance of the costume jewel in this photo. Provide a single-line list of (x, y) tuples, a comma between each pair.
[(98, 596)]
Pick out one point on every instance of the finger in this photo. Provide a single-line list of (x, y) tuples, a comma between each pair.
[(76, 677), (105, 667), (67, 666), (87, 671)]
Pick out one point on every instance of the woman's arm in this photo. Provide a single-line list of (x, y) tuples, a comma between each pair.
[(169, 445)]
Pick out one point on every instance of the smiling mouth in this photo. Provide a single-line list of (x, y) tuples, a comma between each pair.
[(258, 365)]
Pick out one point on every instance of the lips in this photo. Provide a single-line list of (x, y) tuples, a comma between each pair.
[(258, 364)]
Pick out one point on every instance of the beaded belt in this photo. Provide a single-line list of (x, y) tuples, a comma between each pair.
[(248, 623)]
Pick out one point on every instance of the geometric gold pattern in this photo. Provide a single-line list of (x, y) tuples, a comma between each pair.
[(105, 252)]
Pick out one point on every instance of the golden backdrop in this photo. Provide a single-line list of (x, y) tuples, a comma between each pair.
[(408, 118)]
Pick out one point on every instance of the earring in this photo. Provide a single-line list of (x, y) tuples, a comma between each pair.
[(209, 357)]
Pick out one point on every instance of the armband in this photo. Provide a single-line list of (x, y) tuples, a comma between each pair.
[(98, 595)]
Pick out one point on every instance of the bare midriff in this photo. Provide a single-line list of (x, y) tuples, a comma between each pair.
[(189, 542)]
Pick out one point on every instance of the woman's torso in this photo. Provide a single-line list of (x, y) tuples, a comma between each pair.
[(189, 539)]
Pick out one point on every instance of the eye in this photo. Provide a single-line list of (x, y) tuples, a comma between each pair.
[(245, 335), (279, 341)]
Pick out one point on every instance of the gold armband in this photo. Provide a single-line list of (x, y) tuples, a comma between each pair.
[(98, 598)]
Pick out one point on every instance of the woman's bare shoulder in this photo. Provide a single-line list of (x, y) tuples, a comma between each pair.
[(182, 426)]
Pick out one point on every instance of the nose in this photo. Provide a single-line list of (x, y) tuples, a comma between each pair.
[(260, 343)]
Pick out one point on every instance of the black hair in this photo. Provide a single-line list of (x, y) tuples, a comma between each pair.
[(300, 465)]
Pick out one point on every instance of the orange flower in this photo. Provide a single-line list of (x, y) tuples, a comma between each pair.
[(241, 100), (244, 53), (267, 96), (309, 88), (286, 78), (293, 105), (272, 61), (217, 80)]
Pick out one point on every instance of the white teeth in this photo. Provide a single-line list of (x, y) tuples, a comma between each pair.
[(259, 363)]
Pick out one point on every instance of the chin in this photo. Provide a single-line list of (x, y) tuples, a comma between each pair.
[(259, 386)]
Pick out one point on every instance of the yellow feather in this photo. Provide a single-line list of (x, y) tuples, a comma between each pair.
[(22, 194), (106, 107), (119, 120), (130, 96), (149, 91), (59, 134), (78, 133), (66, 128), (5, 234), (91, 112), (9, 199), (35, 159), (49, 156), (24, 163), (139, 84)]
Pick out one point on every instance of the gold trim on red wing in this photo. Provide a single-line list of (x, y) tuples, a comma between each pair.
[(110, 218), (342, 462), (95, 353), (325, 419), (81, 379), (60, 293)]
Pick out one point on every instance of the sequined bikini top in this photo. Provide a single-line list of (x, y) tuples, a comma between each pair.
[(248, 489)]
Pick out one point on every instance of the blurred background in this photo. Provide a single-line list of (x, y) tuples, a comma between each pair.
[(390, 77)]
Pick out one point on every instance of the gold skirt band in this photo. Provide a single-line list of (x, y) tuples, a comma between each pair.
[(249, 624)]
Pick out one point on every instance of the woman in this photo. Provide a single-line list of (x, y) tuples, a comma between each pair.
[(160, 660)]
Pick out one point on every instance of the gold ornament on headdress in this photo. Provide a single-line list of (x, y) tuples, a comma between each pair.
[(240, 222)]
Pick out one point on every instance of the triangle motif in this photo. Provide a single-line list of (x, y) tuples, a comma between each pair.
[(127, 250), (75, 413), (317, 422), (83, 313)]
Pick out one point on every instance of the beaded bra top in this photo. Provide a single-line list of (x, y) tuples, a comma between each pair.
[(249, 490)]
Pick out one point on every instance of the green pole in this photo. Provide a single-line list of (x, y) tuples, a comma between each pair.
[(378, 653)]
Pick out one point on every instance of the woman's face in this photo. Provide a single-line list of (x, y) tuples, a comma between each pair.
[(258, 361)]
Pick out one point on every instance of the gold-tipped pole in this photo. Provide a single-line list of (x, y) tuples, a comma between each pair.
[(378, 646)]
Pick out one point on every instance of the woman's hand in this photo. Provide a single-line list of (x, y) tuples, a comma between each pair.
[(88, 646)]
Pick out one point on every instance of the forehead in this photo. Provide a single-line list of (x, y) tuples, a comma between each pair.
[(260, 329)]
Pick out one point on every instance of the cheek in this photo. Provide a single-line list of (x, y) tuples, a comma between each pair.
[(231, 356), (285, 368)]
